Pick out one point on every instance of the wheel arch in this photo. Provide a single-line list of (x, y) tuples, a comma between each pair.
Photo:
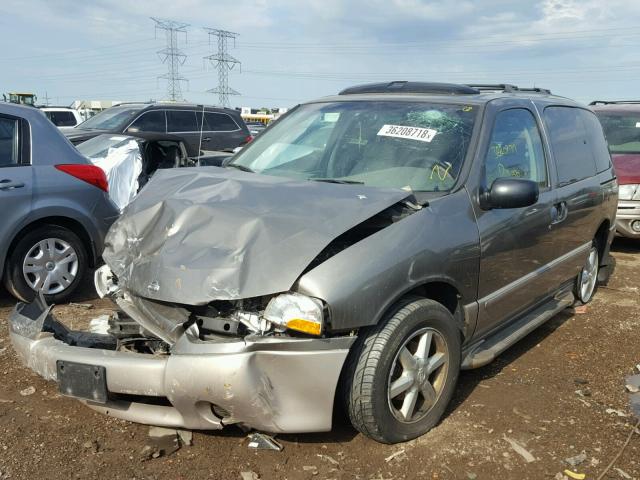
[(442, 290), (61, 221)]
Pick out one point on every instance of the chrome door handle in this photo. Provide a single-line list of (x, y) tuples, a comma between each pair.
[(206, 139), (559, 214), (7, 184)]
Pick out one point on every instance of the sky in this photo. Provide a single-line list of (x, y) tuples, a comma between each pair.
[(292, 51)]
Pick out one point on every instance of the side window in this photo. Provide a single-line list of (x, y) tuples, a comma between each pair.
[(152, 121), (217, 122), (515, 149), (595, 138), (569, 143), (63, 119), (182, 121), (8, 142)]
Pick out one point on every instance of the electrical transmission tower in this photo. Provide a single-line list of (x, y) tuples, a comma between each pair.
[(172, 56), (223, 62)]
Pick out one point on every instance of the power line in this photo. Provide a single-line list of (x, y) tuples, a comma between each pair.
[(223, 62), (172, 56)]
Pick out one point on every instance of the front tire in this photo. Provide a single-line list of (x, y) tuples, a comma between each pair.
[(402, 373), (50, 259)]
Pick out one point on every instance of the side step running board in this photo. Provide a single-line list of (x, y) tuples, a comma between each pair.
[(491, 347)]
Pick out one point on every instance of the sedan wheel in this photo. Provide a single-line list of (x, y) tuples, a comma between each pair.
[(50, 266), (50, 259)]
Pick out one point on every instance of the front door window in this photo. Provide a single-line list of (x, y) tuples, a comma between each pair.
[(515, 149)]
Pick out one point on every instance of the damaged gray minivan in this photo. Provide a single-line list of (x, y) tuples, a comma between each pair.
[(363, 249)]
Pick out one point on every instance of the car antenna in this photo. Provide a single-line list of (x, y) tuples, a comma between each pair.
[(200, 143)]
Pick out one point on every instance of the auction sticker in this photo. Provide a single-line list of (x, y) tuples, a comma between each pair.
[(413, 133)]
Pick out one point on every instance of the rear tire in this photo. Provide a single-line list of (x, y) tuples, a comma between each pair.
[(402, 373), (63, 253), (587, 280)]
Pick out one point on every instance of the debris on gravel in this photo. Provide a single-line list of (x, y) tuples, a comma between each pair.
[(249, 476), (575, 475), (262, 441), (28, 391), (519, 449), (329, 459), (399, 455), (577, 459)]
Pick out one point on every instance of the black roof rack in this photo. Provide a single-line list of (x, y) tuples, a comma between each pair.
[(412, 87), (439, 88), (507, 88), (610, 102)]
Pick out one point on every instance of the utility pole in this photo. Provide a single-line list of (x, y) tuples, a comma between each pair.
[(223, 62), (172, 56)]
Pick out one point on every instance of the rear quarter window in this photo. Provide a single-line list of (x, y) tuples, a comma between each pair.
[(62, 118), (571, 144), (217, 122), (595, 137), (8, 142)]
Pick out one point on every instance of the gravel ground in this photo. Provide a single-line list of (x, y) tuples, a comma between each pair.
[(557, 393)]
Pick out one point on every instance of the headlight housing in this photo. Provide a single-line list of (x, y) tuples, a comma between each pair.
[(629, 192), (296, 312)]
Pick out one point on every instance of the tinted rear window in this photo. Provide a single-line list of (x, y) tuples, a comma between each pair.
[(596, 137), (182, 121), (217, 122), (62, 118), (570, 144)]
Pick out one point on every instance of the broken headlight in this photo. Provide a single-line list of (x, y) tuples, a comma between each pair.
[(295, 312)]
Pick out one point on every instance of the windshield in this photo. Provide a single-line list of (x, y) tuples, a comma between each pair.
[(622, 131), (415, 146), (111, 118), (98, 147)]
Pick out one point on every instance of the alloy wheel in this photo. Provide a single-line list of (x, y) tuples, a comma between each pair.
[(589, 276), (417, 375)]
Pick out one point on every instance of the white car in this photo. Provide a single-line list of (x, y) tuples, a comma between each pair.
[(64, 118)]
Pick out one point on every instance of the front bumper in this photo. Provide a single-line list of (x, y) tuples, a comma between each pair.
[(273, 384), (628, 212)]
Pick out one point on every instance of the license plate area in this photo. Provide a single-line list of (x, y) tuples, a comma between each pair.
[(82, 381)]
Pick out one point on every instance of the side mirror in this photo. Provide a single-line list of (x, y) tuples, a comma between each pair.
[(510, 193)]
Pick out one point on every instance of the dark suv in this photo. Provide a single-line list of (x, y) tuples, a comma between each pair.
[(372, 244), (219, 129)]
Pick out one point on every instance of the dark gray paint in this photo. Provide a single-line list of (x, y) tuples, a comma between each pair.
[(437, 244)]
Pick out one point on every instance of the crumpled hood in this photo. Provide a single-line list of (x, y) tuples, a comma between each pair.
[(195, 235)]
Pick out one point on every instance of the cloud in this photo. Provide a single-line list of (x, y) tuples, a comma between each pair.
[(296, 50)]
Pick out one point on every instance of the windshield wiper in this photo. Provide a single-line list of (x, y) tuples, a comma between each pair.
[(337, 180), (240, 167)]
